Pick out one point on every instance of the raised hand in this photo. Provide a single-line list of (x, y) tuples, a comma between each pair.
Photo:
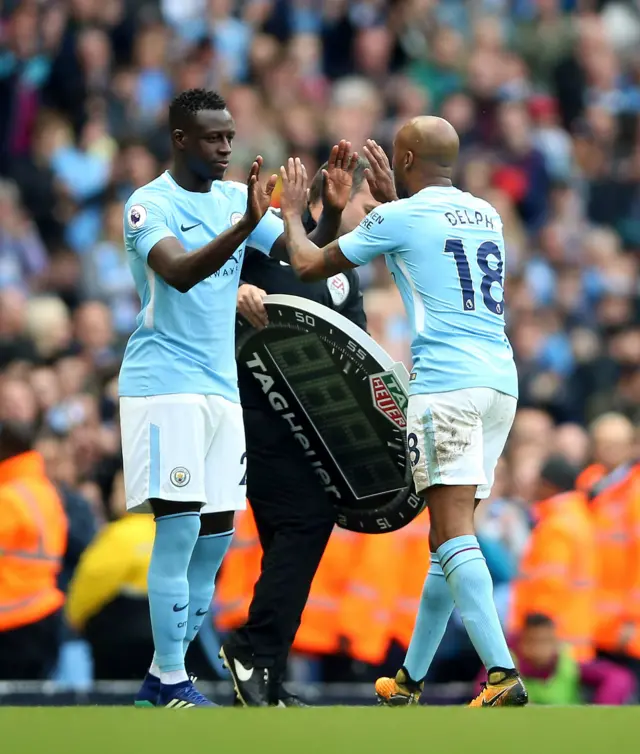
[(379, 176), (338, 177), (258, 196), (293, 198)]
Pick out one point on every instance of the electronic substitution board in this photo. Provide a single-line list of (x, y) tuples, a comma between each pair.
[(344, 400)]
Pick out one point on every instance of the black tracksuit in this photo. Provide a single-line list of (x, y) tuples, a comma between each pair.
[(293, 513)]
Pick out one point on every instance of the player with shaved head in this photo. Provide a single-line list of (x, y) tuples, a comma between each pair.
[(446, 253)]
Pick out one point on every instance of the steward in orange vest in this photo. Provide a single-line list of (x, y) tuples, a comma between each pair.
[(239, 573), (33, 539), (615, 508), (590, 476), (412, 543), (366, 593), (319, 631), (557, 574)]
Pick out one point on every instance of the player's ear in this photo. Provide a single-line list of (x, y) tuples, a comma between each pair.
[(178, 137), (408, 160)]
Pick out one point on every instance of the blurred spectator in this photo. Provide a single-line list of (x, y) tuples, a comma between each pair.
[(15, 346), (571, 442), (22, 255), (17, 401), (612, 446), (545, 39), (94, 334), (550, 138), (48, 326), (557, 575), (440, 73), (554, 677), (106, 273), (523, 172), (82, 521), (33, 538)]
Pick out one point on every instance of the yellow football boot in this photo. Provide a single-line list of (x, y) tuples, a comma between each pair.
[(502, 690), (399, 691)]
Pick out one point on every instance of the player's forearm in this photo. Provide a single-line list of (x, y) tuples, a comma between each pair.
[(191, 269), (304, 256), (327, 229)]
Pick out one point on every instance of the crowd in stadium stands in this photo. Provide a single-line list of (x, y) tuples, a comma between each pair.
[(545, 95)]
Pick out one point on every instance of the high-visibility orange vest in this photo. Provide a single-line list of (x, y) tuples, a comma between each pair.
[(557, 574), (412, 543), (239, 573), (616, 515), (589, 477), (368, 604), (33, 540), (319, 632)]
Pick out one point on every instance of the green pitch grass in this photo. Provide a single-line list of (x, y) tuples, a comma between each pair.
[(328, 730)]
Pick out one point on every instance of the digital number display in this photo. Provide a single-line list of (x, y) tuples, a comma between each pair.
[(326, 396)]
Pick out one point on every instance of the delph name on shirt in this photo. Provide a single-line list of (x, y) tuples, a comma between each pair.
[(462, 217)]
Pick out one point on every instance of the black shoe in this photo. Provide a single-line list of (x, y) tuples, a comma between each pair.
[(251, 684), (287, 699)]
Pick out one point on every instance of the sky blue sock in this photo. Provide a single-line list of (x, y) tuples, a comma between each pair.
[(169, 588), (434, 612), (205, 562), (470, 582)]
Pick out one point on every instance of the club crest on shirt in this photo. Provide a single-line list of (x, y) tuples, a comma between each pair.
[(338, 286), (137, 216), (180, 477), (236, 217)]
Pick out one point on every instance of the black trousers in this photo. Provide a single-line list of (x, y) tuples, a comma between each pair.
[(29, 653), (295, 518)]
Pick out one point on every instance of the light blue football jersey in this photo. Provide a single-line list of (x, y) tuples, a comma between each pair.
[(185, 342), (445, 251)]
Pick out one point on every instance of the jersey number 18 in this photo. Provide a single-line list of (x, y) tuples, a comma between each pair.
[(485, 250)]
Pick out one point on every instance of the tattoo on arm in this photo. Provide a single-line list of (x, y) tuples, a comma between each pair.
[(328, 259), (333, 260)]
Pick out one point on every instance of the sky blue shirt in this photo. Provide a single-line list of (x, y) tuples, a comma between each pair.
[(185, 342), (445, 251)]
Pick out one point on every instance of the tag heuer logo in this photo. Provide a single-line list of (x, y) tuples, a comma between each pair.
[(389, 398)]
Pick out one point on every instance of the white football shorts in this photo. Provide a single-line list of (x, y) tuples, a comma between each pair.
[(457, 437), (183, 448)]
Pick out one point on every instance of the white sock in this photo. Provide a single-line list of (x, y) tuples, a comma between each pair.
[(174, 676), (154, 669)]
